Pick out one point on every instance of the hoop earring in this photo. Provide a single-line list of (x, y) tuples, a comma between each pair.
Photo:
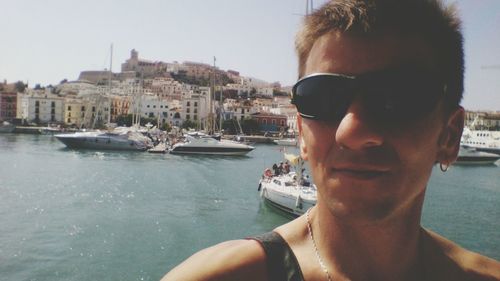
[(444, 167)]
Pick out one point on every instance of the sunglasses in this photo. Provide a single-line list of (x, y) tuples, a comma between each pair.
[(390, 98)]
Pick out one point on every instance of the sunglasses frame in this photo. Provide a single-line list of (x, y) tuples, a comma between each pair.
[(435, 87)]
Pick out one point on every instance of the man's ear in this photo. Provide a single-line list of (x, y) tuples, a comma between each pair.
[(303, 148), (449, 140)]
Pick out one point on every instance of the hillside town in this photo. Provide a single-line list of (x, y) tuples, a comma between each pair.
[(187, 94)]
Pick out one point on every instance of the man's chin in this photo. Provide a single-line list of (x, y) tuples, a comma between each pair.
[(362, 213)]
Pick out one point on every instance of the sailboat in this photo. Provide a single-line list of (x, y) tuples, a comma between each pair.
[(291, 192)]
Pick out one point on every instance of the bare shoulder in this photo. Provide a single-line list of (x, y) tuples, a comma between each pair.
[(231, 260), (446, 258)]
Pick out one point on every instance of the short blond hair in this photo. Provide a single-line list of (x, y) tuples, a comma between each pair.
[(430, 20)]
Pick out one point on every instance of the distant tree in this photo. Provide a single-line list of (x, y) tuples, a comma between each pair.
[(253, 93), (280, 93), (20, 86), (124, 120), (230, 127), (189, 124), (63, 81), (38, 87), (166, 127), (250, 126), (230, 94)]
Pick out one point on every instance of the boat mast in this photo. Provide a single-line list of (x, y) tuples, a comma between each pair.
[(211, 120), (220, 100), (309, 7), (109, 84)]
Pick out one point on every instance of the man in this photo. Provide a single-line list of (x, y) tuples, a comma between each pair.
[(378, 107)]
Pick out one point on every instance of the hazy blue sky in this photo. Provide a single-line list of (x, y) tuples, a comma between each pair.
[(47, 41)]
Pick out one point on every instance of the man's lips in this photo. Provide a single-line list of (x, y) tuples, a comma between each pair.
[(360, 172)]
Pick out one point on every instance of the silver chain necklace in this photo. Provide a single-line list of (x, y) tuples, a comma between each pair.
[(318, 256)]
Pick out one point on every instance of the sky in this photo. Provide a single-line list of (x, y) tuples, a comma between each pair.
[(44, 42)]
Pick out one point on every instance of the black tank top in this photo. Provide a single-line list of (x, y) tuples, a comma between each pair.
[(282, 264)]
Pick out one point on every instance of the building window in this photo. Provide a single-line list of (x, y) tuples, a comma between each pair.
[(37, 103), (69, 107), (188, 104), (195, 117), (188, 117), (195, 103), (195, 110), (187, 110), (273, 121), (53, 104)]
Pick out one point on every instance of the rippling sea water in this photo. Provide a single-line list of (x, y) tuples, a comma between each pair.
[(87, 215)]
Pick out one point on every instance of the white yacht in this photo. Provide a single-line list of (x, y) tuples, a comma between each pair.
[(471, 156), (481, 140), (204, 144), (290, 192), (121, 138)]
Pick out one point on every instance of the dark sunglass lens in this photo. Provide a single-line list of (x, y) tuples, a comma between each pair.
[(322, 97), (403, 97)]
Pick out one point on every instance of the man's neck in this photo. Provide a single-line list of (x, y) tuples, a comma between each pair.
[(385, 250)]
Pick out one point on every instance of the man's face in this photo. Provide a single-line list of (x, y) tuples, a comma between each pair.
[(365, 173)]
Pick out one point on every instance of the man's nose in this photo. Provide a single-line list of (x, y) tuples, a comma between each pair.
[(355, 130)]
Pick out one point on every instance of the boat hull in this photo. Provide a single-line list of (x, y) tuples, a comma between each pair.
[(282, 193), (470, 156), (99, 143), (210, 150), (286, 142)]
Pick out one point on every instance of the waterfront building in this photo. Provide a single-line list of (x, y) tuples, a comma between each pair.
[(155, 107), (166, 88), (483, 120), (288, 110), (196, 104), (119, 105), (269, 122), (74, 111), (239, 111), (8, 104), (42, 106)]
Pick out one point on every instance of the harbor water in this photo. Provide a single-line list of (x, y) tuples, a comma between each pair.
[(88, 215)]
